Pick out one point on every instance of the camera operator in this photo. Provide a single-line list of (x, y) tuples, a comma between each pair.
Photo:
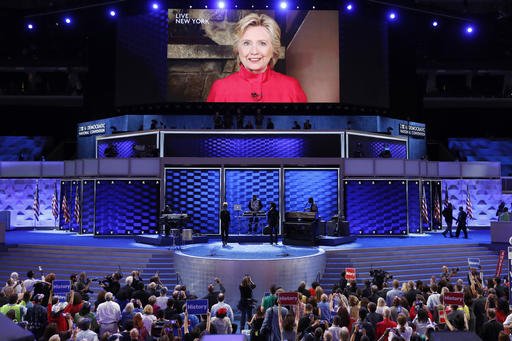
[(447, 274), (81, 285), (111, 283)]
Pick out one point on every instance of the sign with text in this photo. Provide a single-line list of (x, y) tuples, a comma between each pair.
[(197, 307), (411, 130), (474, 263), (501, 258), (350, 274), (288, 298), (92, 129), (61, 288), (454, 298)]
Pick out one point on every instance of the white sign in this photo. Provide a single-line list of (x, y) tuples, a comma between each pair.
[(415, 131), (92, 129)]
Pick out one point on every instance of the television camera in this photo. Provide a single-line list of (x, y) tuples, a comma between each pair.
[(379, 277)]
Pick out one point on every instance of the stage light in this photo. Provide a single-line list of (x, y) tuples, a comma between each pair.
[(30, 27), (155, 5), (67, 20), (221, 4), (349, 7), (392, 16), (435, 23), (469, 29), (283, 5), (112, 13)]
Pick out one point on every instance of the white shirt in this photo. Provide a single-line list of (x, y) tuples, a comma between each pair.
[(219, 305), (161, 301), (87, 335), (405, 334), (108, 312)]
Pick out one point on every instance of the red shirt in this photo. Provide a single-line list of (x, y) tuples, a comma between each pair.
[(245, 86), (383, 325)]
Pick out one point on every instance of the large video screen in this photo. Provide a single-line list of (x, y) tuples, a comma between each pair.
[(251, 56)]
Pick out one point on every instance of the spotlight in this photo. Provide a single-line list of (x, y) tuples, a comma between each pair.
[(283, 4), (392, 16), (435, 23), (155, 5), (112, 13), (469, 29), (30, 26), (221, 4), (67, 20), (349, 7)]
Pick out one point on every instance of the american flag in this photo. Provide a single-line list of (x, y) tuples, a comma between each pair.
[(446, 198), (65, 210), (469, 206), (437, 208), (55, 203), (35, 206), (424, 209), (77, 205)]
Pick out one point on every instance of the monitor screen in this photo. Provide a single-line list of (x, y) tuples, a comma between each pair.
[(253, 56)]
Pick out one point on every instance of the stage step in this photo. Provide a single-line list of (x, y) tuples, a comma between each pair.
[(408, 262), (96, 262)]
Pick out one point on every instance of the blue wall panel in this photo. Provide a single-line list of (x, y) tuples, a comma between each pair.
[(242, 184), (69, 189), (321, 185), (127, 207), (376, 207), (88, 206), (197, 193), (426, 226), (413, 201)]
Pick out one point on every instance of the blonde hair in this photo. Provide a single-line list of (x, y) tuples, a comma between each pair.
[(268, 23)]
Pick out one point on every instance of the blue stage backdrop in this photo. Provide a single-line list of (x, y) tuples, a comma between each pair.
[(127, 207), (17, 196), (413, 202), (427, 225), (253, 145), (376, 207), (197, 193), (398, 150), (69, 189), (144, 145), (435, 187), (320, 184), (88, 206), (241, 185)]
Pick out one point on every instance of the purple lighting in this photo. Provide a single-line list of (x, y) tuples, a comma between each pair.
[(112, 13), (221, 4), (469, 29), (67, 20), (30, 26), (283, 4), (155, 5), (392, 16), (435, 23), (349, 7)]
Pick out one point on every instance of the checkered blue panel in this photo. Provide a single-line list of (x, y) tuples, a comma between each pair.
[(127, 207), (254, 145), (427, 226), (70, 188), (17, 196), (376, 207), (436, 192), (123, 149), (241, 185), (197, 193), (321, 185), (130, 146), (413, 201), (88, 206), (398, 150)]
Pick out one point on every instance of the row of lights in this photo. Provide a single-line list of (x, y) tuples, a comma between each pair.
[(391, 15)]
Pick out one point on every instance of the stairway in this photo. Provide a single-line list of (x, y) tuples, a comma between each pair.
[(96, 262), (408, 262)]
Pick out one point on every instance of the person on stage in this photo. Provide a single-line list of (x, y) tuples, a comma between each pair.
[(448, 218), (167, 224), (461, 223), (311, 206), (273, 222), (257, 45), (255, 206), (225, 219)]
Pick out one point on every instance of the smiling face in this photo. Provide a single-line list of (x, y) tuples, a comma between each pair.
[(255, 49)]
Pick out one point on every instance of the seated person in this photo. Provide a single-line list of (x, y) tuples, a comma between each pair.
[(505, 216)]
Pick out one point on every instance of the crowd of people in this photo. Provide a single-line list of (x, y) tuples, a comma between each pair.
[(133, 309)]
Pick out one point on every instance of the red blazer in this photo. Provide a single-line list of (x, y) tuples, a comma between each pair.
[(245, 86)]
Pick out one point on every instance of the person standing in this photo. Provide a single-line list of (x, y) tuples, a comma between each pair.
[(448, 218), (311, 206), (273, 222), (255, 206), (461, 223), (225, 219), (246, 302)]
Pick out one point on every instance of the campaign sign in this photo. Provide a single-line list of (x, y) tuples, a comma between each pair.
[(454, 298), (350, 274), (474, 263), (499, 266), (61, 288), (197, 307), (288, 298)]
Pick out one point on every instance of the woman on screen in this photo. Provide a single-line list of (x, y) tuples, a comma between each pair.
[(257, 42)]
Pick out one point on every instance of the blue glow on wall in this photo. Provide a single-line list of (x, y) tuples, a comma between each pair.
[(127, 207), (397, 150), (240, 187), (88, 206), (69, 188), (197, 193), (427, 226), (376, 207), (321, 185), (413, 202), (129, 146)]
